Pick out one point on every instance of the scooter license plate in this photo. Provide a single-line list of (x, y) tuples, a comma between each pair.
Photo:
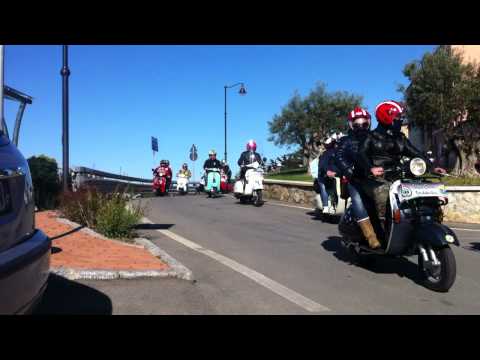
[(412, 191)]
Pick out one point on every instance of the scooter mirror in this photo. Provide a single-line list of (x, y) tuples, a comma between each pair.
[(264, 159)]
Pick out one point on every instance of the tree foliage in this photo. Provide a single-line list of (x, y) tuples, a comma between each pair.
[(46, 182), (444, 94), (305, 121)]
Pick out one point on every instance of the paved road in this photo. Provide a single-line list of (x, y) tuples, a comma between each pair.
[(269, 260)]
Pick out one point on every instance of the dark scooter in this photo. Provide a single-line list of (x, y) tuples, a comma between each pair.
[(413, 226)]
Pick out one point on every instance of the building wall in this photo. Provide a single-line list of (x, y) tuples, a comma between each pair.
[(470, 52)]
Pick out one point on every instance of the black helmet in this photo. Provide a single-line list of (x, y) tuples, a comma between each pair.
[(185, 166)]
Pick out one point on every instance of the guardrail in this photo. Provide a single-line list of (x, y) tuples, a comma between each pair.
[(109, 182)]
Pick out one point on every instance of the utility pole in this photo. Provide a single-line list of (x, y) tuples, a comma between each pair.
[(65, 72)]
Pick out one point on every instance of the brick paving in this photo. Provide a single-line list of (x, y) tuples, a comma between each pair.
[(80, 250)]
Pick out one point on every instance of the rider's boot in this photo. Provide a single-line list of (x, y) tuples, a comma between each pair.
[(369, 233)]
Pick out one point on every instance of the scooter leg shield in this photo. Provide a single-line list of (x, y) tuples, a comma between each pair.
[(238, 187), (248, 189), (318, 201), (436, 235)]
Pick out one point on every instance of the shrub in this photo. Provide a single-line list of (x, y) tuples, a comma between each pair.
[(82, 206), (46, 182), (115, 220), (107, 214)]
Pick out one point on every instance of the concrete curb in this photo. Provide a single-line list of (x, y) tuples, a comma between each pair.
[(176, 269)]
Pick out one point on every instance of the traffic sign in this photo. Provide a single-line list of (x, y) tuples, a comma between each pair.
[(154, 144), (193, 153)]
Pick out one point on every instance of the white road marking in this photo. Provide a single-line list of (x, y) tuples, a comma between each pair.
[(459, 229), (289, 206), (261, 279)]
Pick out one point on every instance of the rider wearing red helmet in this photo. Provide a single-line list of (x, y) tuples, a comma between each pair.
[(249, 157), (383, 148), (346, 159)]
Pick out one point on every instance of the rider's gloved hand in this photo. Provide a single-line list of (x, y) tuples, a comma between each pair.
[(439, 170)]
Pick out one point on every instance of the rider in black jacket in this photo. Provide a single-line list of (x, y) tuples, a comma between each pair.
[(346, 159), (226, 170), (382, 149), (249, 157), (326, 173), (212, 162)]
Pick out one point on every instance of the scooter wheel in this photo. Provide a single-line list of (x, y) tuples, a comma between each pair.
[(259, 199), (448, 271)]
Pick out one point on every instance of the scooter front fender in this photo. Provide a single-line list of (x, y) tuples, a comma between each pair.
[(435, 234)]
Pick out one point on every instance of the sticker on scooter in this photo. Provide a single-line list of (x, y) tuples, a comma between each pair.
[(405, 192)]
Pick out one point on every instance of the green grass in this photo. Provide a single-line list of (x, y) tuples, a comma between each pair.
[(302, 175), (458, 181), (291, 176)]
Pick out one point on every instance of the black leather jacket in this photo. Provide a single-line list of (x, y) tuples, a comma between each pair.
[(211, 164), (384, 148), (346, 156), (249, 157), (227, 171)]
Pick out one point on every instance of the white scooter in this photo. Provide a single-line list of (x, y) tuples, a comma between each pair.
[(182, 184), (251, 188)]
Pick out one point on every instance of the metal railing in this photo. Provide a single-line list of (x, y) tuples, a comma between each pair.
[(109, 182)]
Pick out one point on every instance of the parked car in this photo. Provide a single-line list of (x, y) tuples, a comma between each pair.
[(24, 250)]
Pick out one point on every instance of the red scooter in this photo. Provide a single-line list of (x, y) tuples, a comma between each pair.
[(160, 181), (225, 186)]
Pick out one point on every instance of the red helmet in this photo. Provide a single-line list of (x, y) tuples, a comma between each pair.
[(358, 113), (251, 145), (387, 111)]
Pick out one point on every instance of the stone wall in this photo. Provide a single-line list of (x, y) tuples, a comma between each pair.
[(463, 201), (288, 193), (295, 192), (463, 206)]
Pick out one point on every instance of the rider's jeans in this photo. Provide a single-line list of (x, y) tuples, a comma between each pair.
[(323, 191), (359, 211)]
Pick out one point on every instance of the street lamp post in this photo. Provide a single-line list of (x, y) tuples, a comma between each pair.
[(242, 91), (65, 72)]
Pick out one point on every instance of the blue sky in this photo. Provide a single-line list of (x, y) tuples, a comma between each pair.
[(120, 96)]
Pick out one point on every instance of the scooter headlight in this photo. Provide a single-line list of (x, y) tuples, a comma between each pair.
[(418, 166)]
